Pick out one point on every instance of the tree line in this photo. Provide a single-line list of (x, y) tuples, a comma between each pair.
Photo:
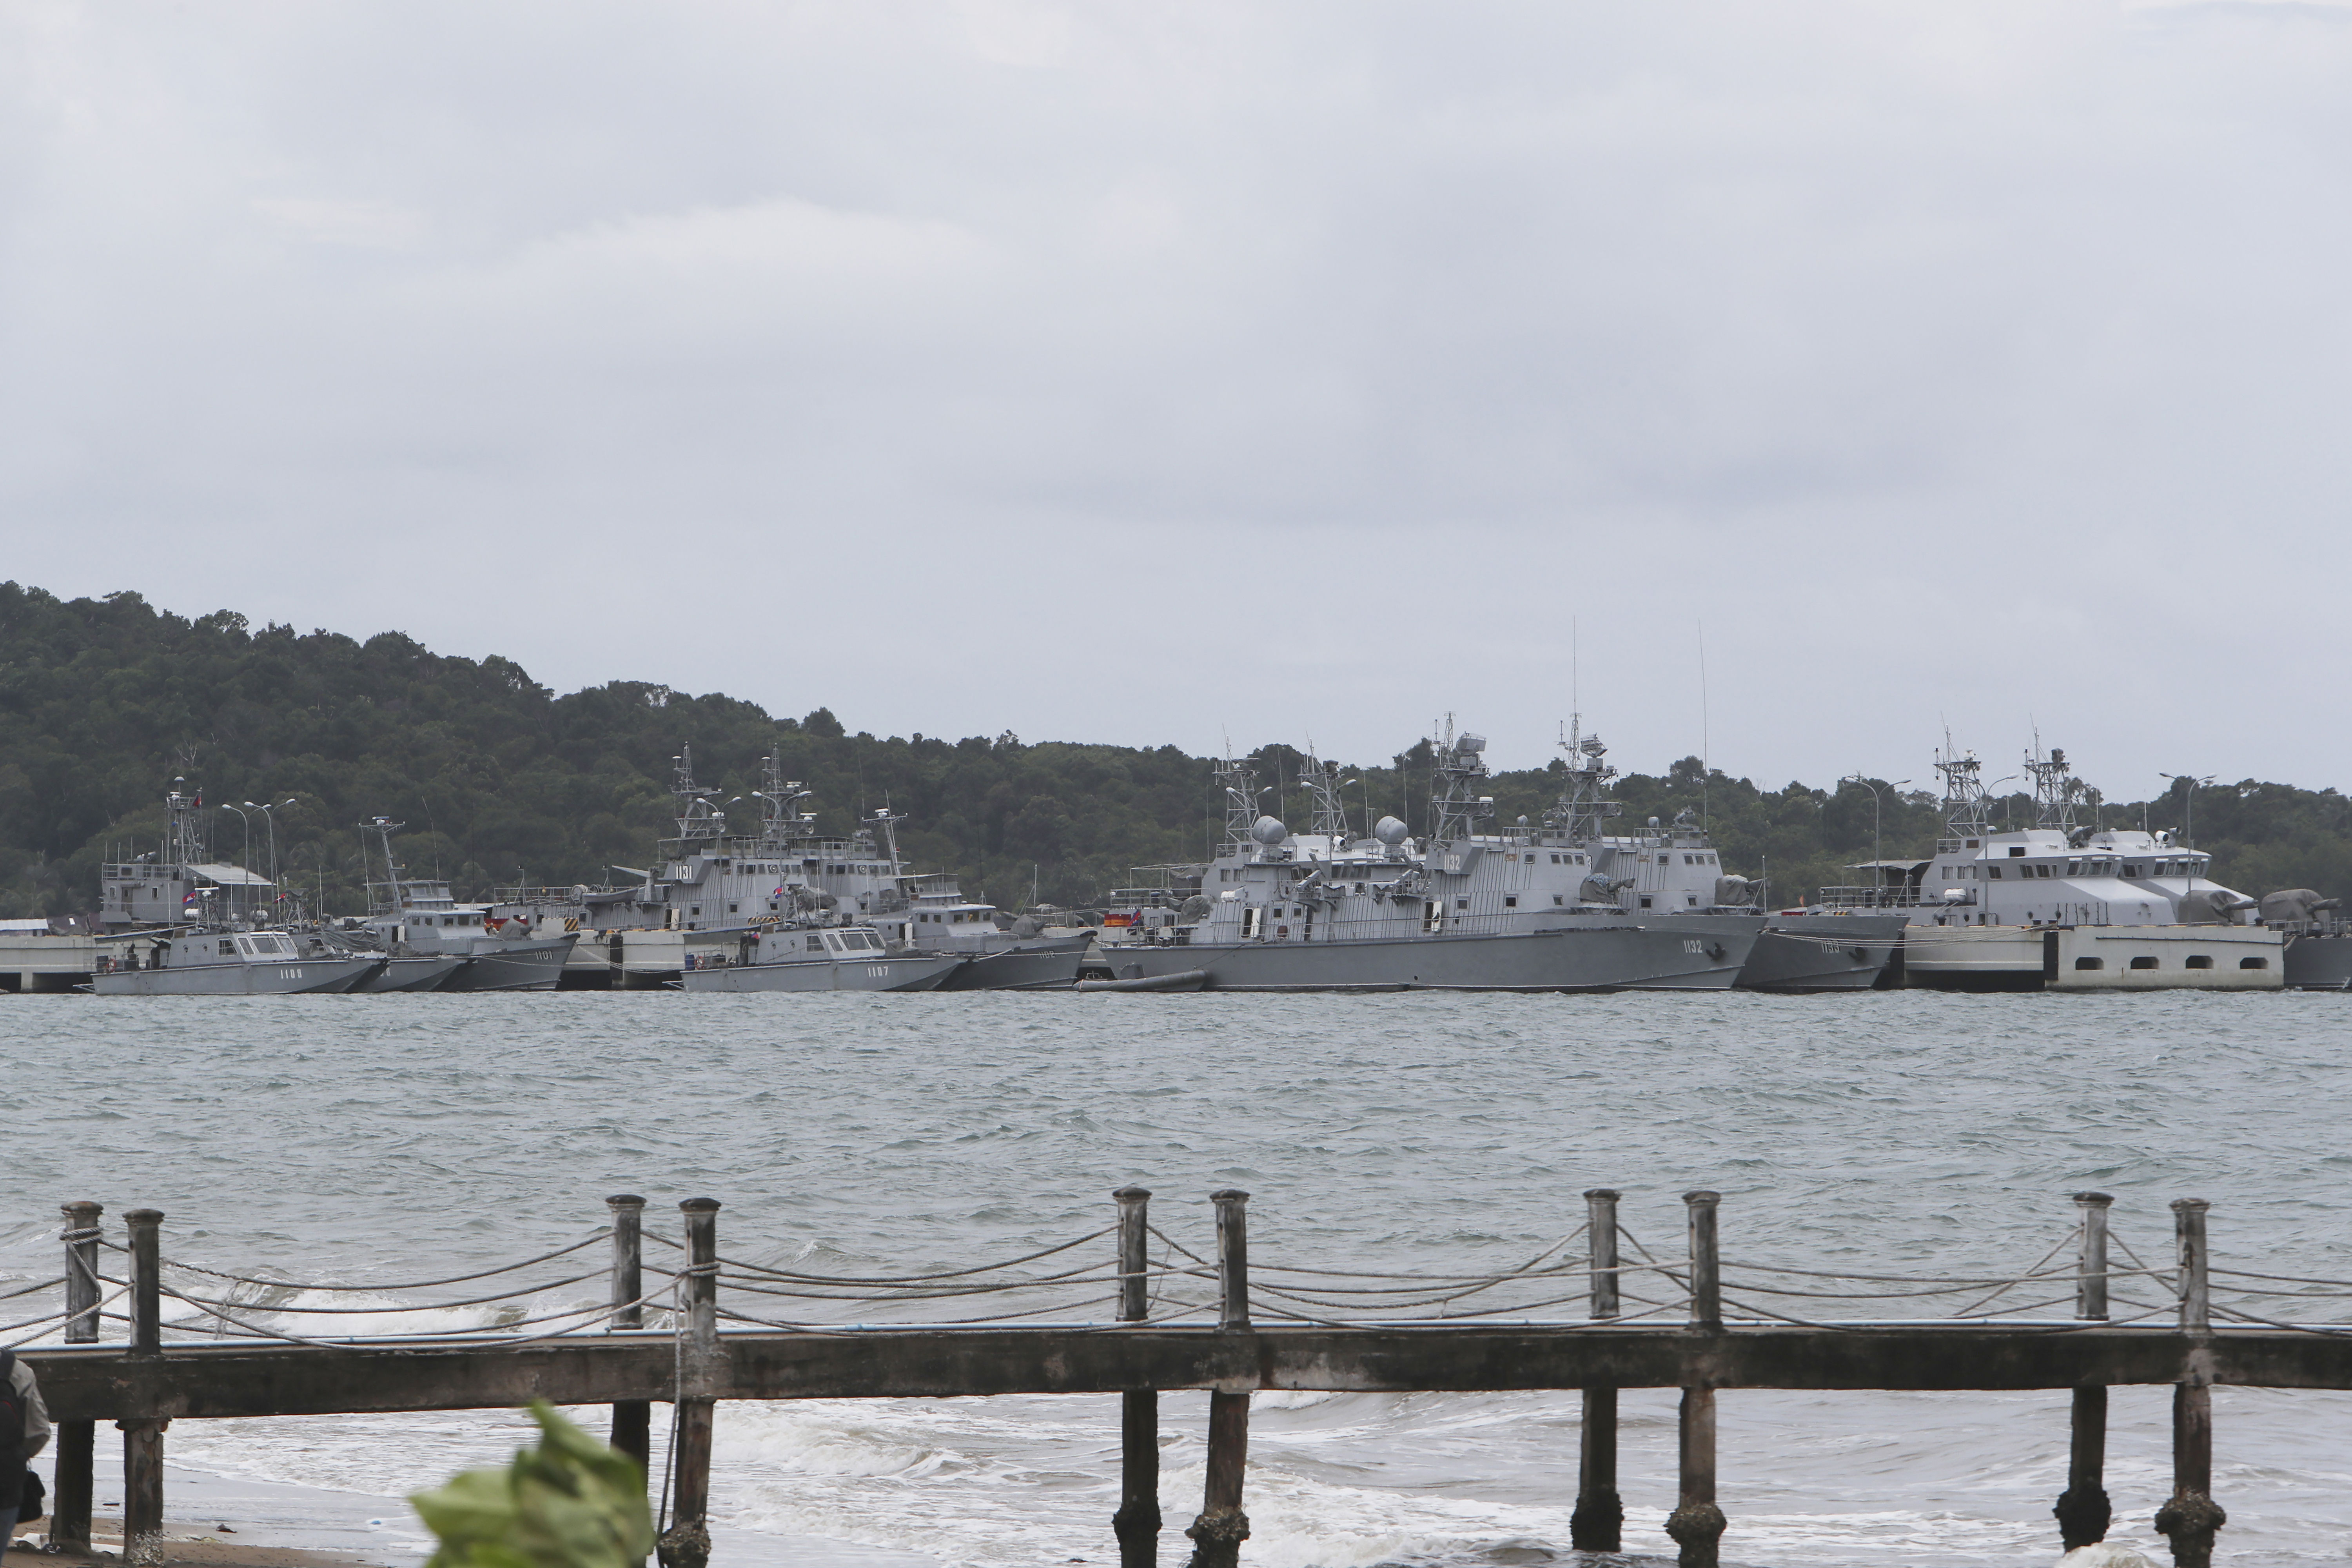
[(105, 702)]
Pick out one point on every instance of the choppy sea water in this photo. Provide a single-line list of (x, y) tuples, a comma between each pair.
[(374, 1139)]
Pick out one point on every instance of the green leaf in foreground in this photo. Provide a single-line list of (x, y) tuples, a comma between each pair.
[(570, 1502)]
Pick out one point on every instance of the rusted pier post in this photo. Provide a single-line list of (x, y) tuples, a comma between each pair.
[(1217, 1535), (69, 1499), (632, 1418), (1137, 1522), (686, 1542), (2191, 1516), (1599, 1523), (1696, 1524), (142, 1440), (2083, 1510)]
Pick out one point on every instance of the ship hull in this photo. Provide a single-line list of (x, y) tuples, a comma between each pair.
[(2095, 958), (533, 964), (421, 972), (1688, 954), (291, 977), (1802, 954), (1046, 965), (2319, 962), (876, 973)]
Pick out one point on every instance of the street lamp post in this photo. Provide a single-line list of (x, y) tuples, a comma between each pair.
[(2188, 815), (245, 858), (1877, 873), (267, 816)]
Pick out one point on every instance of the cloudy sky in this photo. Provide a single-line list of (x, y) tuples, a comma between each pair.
[(1151, 372)]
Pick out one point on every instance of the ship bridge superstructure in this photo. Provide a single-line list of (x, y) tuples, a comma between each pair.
[(179, 882)]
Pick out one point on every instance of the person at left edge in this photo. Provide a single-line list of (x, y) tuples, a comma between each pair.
[(24, 1432)]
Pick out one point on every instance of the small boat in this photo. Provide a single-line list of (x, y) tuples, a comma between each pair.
[(229, 964), (419, 916), (829, 958)]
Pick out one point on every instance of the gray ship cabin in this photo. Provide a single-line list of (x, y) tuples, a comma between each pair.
[(1673, 869), (179, 882)]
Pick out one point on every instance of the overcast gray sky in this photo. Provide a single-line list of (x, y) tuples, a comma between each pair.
[(1150, 372)]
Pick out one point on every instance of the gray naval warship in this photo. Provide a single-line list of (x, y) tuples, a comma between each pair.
[(1678, 870), (210, 961), (713, 892), (1470, 910), (179, 924), (821, 957), (2065, 905), (423, 928)]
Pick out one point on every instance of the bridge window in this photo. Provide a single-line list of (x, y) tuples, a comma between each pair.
[(2143, 961), (2200, 960), (2090, 964), (2253, 964)]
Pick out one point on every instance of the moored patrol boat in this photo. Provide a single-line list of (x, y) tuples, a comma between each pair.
[(219, 963), (710, 889), (2064, 907), (418, 918), (1330, 911), (819, 958), (1677, 871)]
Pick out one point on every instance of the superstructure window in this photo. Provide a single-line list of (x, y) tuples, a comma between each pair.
[(2200, 960), (2143, 961)]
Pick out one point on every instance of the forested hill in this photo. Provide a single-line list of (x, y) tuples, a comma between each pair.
[(102, 702)]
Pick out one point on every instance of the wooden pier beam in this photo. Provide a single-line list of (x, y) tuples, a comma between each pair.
[(142, 1440), (1599, 1523), (632, 1418), (1137, 1523), (2083, 1510), (686, 1542), (2192, 1518), (1697, 1524), (1218, 1534), (69, 1499)]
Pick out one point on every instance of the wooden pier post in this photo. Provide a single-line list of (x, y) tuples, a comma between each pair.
[(142, 1440), (686, 1542), (69, 1499), (1599, 1523), (1217, 1535), (2192, 1518), (1137, 1523), (632, 1418), (1696, 1524), (2083, 1510)]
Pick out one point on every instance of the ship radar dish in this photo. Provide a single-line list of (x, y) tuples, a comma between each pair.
[(1389, 831), (1270, 831)]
